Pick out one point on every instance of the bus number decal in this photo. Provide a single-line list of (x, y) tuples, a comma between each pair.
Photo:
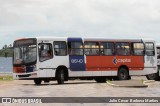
[(76, 60)]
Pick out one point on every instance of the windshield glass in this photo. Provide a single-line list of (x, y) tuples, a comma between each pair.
[(25, 53)]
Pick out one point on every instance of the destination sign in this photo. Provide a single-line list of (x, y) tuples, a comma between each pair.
[(25, 42)]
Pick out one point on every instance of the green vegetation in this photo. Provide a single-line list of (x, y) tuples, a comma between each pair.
[(6, 78), (142, 81), (109, 81), (8, 52)]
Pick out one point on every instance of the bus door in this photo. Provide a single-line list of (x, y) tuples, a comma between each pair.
[(76, 54), (150, 56), (45, 51)]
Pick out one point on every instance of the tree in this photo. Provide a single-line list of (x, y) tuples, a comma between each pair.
[(10, 45), (5, 46)]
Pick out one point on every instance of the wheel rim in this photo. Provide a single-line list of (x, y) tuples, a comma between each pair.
[(122, 75)]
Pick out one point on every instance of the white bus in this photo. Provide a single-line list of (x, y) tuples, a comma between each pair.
[(61, 58), (156, 76)]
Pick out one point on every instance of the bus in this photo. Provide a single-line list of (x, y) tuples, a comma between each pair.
[(156, 76), (63, 58)]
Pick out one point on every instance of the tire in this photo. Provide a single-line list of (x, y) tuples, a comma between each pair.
[(60, 76), (37, 81), (123, 74), (46, 81), (154, 76), (100, 80), (129, 77)]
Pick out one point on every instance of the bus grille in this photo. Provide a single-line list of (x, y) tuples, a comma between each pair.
[(27, 75)]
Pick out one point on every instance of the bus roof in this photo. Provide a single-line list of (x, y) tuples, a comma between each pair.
[(94, 39)]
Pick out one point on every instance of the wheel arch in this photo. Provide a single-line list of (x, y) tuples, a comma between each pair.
[(123, 66)]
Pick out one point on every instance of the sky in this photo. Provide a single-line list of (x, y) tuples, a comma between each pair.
[(82, 18)]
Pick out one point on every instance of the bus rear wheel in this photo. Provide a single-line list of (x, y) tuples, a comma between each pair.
[(37, 81), (154, 76), (60, 76), (123, 74)]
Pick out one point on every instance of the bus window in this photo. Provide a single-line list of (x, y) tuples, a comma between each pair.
[(158, 52), (122, 48), (91, 48), (149, 49), (107, 48), (60, 48), (45, 51), (138, 49), (75, 48)]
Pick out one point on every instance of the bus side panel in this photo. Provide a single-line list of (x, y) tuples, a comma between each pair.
[(107, 64), (137, 63), (114, 62), (93, 63), (77, 63)]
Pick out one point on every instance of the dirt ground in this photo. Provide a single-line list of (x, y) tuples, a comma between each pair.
[(77, 88)]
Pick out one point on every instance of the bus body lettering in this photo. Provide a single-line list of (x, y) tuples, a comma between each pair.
[(76, 61)]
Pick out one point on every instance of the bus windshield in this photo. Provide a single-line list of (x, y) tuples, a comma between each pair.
[(25, 52)]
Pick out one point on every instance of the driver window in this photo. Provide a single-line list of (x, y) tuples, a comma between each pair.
[(45, 51)]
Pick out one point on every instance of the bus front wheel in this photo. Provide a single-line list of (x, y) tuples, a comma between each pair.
[(123, 74), (60, 76), (37, 81)]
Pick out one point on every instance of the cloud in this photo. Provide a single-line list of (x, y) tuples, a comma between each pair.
[(104, 18)]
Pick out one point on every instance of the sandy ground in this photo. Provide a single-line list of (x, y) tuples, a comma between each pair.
[(77, 88)]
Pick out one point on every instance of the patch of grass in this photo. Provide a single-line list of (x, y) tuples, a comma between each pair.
[(142, 81), (6, 78), (109, 81)]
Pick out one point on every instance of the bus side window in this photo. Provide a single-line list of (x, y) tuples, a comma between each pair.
[(138, 49), (149, 49), (107, 48), (75, 48), (123, 48), (45, 51), (60, 48), (91, 48)]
